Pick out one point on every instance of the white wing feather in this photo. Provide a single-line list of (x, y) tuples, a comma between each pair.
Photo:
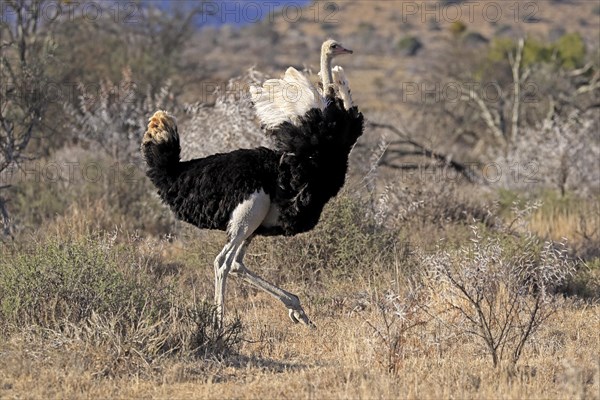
[(286, 99), (341, 85)]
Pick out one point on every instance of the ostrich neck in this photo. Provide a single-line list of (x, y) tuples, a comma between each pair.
[(326, 71)]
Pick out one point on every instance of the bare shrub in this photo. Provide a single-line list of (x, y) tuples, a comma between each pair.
[(397, 319), (148, 39), (442, 204), (562, 153), (229, 124), (536, 125), (498, 290), (114, 117), (82, 191), (27, 52)]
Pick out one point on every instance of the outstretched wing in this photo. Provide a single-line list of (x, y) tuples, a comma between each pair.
[(285, 100)]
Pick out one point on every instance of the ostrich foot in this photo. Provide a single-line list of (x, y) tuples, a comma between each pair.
[(300, 316)]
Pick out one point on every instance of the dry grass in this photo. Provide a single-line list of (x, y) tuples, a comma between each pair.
[(576, 220), (345, 272), (347, 356), (341, 359)]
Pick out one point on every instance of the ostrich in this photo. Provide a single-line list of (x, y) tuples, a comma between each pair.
[(262, 191), (288, 99)]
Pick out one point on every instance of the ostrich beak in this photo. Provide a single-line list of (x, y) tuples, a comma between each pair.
[(342, 50)]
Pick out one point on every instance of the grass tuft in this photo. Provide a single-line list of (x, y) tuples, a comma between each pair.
[(100, 292)]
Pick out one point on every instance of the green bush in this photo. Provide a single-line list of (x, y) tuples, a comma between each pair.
[(346, 243), (533, 51), (571, 50), (499, 49), (99, 291), (366, 28), (585, 282), (51, 282), (536, 52), (457, 28), (409, 45)]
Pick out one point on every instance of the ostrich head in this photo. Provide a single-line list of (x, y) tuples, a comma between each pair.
[(330, 49)]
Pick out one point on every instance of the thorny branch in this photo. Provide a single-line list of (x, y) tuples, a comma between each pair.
[(463, 169), (22, 73)]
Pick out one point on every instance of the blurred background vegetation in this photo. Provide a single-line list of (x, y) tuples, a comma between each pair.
[(484, 119), (514, 98)]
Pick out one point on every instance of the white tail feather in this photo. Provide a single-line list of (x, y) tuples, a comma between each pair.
[(286, 99)]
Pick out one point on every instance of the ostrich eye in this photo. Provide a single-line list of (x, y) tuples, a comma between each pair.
[(334, 46)]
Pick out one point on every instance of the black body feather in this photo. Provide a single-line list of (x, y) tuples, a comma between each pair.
[(307, 168)]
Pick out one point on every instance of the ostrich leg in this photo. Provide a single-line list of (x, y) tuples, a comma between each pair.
[(245, 218), (291, 301), (221, 272)]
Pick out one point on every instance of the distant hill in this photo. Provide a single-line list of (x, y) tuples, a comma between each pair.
[(234, 12), (394, 41)]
